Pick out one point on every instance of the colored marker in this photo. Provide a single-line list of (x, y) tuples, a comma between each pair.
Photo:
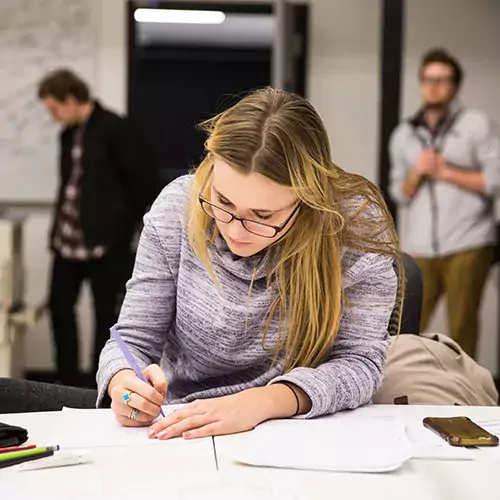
[(130, 359), (26, 453), (17, 448), (26, 458)]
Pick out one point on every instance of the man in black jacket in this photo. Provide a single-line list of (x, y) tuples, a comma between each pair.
[(107, 181)]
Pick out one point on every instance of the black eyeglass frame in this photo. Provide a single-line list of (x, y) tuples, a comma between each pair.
[(277, 229)]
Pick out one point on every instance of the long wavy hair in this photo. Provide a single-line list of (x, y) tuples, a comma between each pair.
[(280, 135)]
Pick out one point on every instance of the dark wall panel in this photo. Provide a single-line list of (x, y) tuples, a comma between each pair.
[(175, 89)]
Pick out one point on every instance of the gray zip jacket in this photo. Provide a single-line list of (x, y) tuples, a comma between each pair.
[(208, 339), (442, 218)]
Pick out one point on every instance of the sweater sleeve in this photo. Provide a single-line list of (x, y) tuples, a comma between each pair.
[(149, 306), (353, 372), (487, 149)]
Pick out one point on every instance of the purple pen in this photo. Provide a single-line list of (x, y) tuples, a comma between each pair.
[(130, 359)]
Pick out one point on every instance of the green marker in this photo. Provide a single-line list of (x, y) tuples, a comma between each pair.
[(27, 453)]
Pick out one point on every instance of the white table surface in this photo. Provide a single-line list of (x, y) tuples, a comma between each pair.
[(417, 479), (179, 470), (122, 472)]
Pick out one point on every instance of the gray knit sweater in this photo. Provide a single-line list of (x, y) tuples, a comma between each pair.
[(208, 338)]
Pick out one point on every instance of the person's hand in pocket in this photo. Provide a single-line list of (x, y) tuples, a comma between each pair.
[(134, 402)]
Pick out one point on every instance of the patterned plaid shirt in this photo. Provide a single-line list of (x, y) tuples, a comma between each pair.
[(68, 239)]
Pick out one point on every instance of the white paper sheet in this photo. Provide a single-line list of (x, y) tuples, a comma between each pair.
[(99, 428), (333, 443), (427, 444)]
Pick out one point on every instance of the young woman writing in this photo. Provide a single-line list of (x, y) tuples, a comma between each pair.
[(264, 284)]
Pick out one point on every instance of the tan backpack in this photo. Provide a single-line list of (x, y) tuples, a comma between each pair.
[(432, 369)]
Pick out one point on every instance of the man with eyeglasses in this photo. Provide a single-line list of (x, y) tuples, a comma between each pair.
[(445, 171)]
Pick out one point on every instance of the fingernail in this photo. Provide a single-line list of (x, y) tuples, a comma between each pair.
[(152, 433), (162, 434)]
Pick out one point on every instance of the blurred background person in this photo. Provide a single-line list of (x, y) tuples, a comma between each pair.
[(106, 184), (445, 169)]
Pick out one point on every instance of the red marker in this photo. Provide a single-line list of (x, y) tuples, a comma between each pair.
[(17, 448)]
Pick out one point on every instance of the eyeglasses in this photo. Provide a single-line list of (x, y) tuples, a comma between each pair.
[(442, 80), (252, 226)]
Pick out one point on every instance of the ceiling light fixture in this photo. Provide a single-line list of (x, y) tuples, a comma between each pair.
[(179, 16)]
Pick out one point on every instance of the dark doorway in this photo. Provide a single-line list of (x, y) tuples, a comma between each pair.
[(392, 31), (180, 75)]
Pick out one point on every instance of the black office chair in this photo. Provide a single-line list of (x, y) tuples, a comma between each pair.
[(22, 396), (412, 301)]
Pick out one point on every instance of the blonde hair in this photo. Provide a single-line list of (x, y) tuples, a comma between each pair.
[(280, 136)]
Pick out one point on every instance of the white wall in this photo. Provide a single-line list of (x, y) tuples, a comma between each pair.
[(343, 79), (471, 31), (111, 84)]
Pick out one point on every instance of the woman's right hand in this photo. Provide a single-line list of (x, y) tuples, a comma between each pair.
[(146, 399)]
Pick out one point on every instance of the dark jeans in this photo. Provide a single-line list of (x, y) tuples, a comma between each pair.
[(21, 396), (107, 277)]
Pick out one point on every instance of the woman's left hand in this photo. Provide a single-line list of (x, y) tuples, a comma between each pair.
[(225, 415)]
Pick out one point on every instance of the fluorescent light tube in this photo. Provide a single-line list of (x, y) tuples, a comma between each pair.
[(179, 16)]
